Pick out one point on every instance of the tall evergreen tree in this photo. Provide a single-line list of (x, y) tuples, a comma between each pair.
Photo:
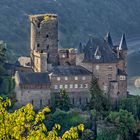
[(2, 51), (62, 101), (98, 100), (2, 59)]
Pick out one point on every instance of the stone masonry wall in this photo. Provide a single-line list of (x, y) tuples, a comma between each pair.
[(38, 97), (77, 87), (44, 36)]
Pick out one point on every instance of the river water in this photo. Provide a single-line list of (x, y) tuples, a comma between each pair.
[(134, 65)]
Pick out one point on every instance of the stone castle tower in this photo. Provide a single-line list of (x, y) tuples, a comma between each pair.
[(44, 42)]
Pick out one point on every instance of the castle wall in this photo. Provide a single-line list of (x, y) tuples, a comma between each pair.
[(104, 72), (77, 87), (121, 65), (122, 83), (113, 90), (38, 97), (67, 57), (79, 59), (40, 62)]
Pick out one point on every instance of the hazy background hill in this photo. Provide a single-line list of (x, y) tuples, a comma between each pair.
[(77, 19)]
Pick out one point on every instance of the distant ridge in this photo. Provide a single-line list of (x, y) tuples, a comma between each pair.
[(78, 19)]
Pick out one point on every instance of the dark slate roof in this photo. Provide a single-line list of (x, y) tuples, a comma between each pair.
[(121, 72), (107, 54), (70, 70), (33, 78), (123, 44)]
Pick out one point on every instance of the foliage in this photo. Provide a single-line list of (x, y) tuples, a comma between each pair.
[(66, 119), (26, 124), (2, 51), (7, 86), (131, 104), (88, 135), (2, 59), (62, 100), (107, 134), (98, 101), (124, 121)]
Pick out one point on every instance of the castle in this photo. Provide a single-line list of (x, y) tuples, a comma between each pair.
[(52, 69)]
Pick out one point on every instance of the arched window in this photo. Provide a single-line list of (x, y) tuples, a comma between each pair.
[(80, 101), (40, 102), (32, 102), (49, 102), (47, 35), (47, 47), (73, 101), (38, 45)]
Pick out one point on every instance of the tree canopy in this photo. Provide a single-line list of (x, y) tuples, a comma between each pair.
[(124, 121), (62, 100), (26, 124)]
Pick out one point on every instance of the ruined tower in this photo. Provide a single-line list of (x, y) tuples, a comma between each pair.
[(44, 42)]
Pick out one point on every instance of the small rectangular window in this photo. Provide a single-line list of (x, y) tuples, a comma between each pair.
[(109, 76), (58, 78), (83, 78), (49, 102), (80, 101), (38, 45), (76, 78), (110, 68), (73, 101), (81, 86), (66, 78), (40, 102), (47, 35), (32, 102), (122, 78), (97, 67), (61, 86), (86, 85), (76, 86), (66, 86), (55, 86), (63, 56), (71, 85)]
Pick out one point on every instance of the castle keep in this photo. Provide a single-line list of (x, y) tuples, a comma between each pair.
[(44, 42), (71, 69)]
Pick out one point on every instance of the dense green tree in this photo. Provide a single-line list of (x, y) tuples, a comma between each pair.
[(62, 100), (88, 135), (125, 123), (26, 124), (107, 134), (66, 119), (2, 51), (98, 100), (131, 104), (2, 59)]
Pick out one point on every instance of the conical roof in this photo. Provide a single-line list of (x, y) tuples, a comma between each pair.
[(108, 39), (123, 44)]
